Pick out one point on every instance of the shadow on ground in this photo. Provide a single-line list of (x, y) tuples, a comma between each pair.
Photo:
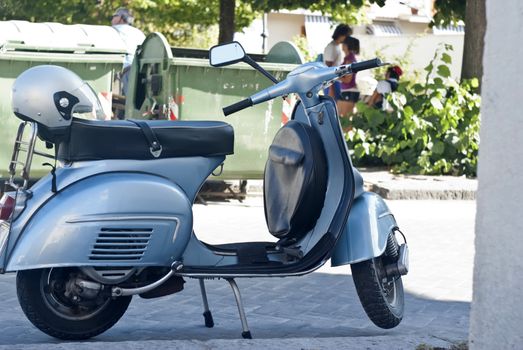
[(318, 305)]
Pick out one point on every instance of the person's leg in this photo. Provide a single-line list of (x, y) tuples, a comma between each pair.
[(346, 108), (349, 108), (342, 107), (333, 91), (343, 111), (124, 81), (354, 97), (337, 90)]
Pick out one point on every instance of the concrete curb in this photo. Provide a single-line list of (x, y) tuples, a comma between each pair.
[(388, 342), (405, 187), (391, 186)]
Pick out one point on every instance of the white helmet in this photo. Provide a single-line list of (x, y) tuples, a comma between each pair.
[(51, 96)]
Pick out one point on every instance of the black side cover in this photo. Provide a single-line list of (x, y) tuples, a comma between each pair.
[(295, 181)]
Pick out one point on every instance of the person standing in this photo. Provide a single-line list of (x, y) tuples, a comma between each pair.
[(122, 21), (349, 93), (333, 55)]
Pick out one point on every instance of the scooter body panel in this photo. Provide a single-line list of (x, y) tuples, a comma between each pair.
[(365, 235), (141, 188), (117, 219), (338, 199), (340, 184)]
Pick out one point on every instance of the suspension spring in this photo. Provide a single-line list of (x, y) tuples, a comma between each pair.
[(392, 249)]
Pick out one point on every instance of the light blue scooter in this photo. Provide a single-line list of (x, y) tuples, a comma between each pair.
[(114, 218)]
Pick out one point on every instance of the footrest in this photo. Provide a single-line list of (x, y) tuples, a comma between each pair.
[(209, 321), (246, 335)]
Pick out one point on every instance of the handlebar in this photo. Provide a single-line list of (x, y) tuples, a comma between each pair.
[(238, 106), (359, 66), (307, 78)]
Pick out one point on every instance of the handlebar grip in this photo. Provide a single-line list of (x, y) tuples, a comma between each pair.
[(359, 66), (238, 106)]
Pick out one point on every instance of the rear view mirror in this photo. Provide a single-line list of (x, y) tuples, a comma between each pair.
[(225, 54)]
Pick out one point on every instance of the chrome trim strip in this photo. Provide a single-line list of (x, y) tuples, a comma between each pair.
[(27, 169), (119, 292), (384, 214), (229, 275), (95, 218), (47, 155), (223, 253), (17, 148)]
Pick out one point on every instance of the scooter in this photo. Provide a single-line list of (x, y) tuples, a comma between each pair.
[(114, 217)]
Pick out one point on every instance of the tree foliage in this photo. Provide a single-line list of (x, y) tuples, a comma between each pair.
[(339, 10), (176, 19), (432, 127), (449, 12), (472, 12), (191, 22)]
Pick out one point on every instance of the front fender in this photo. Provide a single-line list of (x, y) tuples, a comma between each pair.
[(111, 219), (365, 235)]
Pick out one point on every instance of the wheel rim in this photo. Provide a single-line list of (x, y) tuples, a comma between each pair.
[(388, 284), (53, 290)]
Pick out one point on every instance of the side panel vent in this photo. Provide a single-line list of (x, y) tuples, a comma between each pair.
[(121, 244)]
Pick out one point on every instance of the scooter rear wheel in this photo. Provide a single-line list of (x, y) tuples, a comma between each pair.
[(381, 296), (47, 301)]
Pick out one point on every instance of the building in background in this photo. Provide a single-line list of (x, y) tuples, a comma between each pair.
[(398, 29)]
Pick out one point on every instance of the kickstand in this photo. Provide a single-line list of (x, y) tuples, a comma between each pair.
[(209, 322), (246, 334)]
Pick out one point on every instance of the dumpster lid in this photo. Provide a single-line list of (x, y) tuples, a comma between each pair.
[(50, 37), (155, 46)]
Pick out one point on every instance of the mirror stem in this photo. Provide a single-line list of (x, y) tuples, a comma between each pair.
[(247, 59)]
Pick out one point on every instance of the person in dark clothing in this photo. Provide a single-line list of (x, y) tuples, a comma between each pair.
[(349, 93)]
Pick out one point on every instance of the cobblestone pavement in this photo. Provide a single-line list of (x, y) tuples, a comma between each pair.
[(320, 310)]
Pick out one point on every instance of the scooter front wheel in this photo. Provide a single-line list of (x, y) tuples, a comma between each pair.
[(52, 301), (381, 296)]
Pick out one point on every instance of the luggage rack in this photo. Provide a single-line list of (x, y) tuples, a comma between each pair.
[(24, 146)]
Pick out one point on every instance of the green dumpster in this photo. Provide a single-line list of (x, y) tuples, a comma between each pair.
[(95, 53), (174, 83)]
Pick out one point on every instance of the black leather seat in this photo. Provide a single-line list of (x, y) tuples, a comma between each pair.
[(122, 139)]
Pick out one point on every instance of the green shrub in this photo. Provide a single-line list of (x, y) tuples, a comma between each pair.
[(431, 128)]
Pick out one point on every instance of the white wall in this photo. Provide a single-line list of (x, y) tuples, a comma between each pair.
[(251, 37), (413, 28), (497, 305), (284, 27), (421, 51)]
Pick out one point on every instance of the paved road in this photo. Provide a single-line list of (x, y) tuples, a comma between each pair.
[(317, 311)]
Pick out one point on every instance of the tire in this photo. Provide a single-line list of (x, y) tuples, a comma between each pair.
[(382, 297), (48, 308)]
